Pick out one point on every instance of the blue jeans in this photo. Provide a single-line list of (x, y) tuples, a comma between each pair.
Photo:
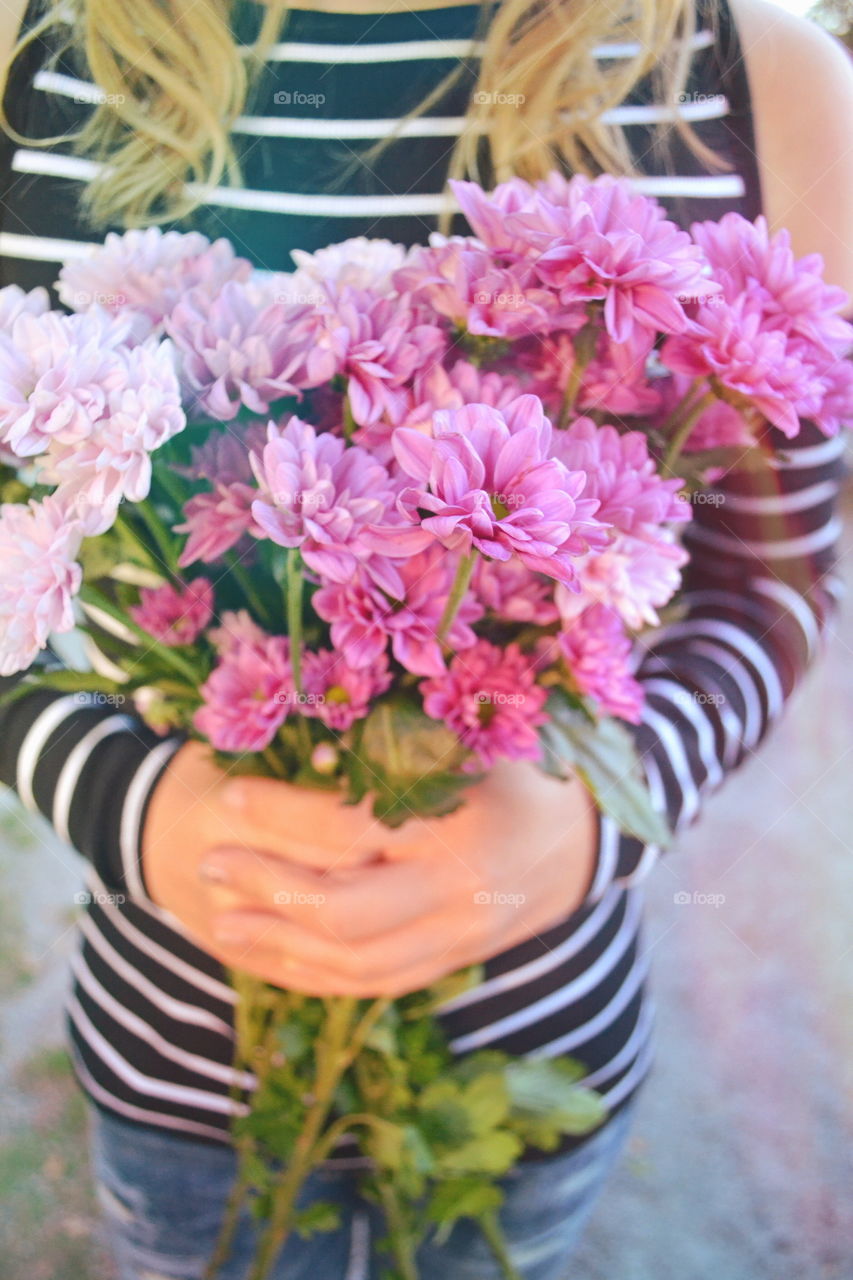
[(162, 1197)]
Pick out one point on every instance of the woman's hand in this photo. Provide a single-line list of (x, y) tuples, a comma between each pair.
[(300, 889)]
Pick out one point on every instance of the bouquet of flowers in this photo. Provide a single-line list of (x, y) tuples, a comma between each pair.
[(372, 526)]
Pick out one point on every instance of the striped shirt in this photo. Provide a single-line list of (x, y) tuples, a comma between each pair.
[(151, 1015)]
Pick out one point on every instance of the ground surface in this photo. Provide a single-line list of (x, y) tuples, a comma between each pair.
[(740, 1164)]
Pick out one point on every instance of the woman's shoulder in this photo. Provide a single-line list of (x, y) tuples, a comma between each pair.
[(801, 85), (11, 17)]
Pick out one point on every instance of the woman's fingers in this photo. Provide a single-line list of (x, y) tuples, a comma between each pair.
[(328, 831), (370, 902), (252, 938)]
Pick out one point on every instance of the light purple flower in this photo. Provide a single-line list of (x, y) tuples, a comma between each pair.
[(149, 271), (598, 653), (319, 494), (488, 481), (175, 615), (241, 348), (248, 694), (39, 578), (490, 699), (56, 374), (357, 263), (223, 458), (400, 600), (15, 302), (337, 693)]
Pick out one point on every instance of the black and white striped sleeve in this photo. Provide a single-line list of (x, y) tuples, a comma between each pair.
[(90, 769), (759, 590)]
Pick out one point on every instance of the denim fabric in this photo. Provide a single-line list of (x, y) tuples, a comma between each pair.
[(162, 1197)]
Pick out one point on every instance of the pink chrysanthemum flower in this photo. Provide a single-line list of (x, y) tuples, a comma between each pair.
[(598, 653), (512, 593), (38, 578), (792, 293), (490, 699), (216, 521), (241, 348), (248, 694), (636, 576), (402, 601), (319, 494), (614, 381), (733, 343), (149, 271), (337, 693), (486, 480), (462, 281), (596, 239), (719, 426), (175, 615), (378, 344), (464, 383), (622, 476)]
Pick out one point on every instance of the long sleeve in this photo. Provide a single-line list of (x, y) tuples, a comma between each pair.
[(759, 591), (90, 769)]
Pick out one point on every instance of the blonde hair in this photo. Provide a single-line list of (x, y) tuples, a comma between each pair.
[(173, 81)]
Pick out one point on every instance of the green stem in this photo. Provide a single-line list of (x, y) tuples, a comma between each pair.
[(495, 1238), (402, 1246), (584, 348), (457, 593), (241, 576), (683, 430), (293, 595), (274, 763), (293, 592), (333, 1060), (159, 532)]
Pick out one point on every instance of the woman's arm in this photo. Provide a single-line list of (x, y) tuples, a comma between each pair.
[(760, 586)]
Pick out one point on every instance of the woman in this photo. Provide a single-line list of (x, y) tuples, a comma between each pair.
[(189, 868)]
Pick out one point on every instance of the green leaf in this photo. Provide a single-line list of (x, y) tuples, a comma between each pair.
[(603, 755), (386, 1143), (458, 1198), (494, 1153), (487, 1102), (547, 1093), (320, 1216)]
